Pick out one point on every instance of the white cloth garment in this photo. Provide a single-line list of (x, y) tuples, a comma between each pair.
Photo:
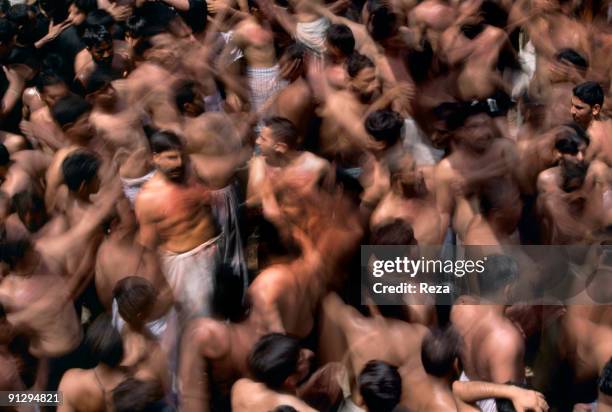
[(312, 34), (418, 145), (485, 405), (131, 186), (191, 277)]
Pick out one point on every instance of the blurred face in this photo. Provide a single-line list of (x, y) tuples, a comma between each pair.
[(412, 182), (366, 84), (106, 97), (52, 93), (90, 188), (575, 158), (266, 143), (582, 113), (102, 54), (75, 15), (440, 135), (79, 130), (171, 164), (476, 133)]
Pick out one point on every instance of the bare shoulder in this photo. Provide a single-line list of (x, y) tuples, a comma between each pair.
[(209, 336), (549, 180), (505, 340)]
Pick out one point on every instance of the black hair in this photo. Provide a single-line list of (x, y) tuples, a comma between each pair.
[(27, 201), (163, 141), (506, 405), (274, 358), (135, 296), (7, 30), (5, 156), (493, 14), (573, 57), (136, 26), (385, 126), (341, 37), (283, 130), (296, 51), (589, 92), (99, 17), (27, 56), (135, 395), (439, 350), (48, 78), (571, 138), (380, 385), (604, 383), (382, 23), (4, 6), (69, 108), (572, 173), (185, 93), (18, 14), (79, 168), (499, 272), (99, 79), (356, 63), (229, 298), (12, 251), (96, 35), (284, 408), (104, 341), (398, 232), (86, 6), (456, 114)]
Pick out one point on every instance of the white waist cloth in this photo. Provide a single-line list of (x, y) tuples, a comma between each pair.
[(191, 277), (485, 405), (312, 34), (131, 186)]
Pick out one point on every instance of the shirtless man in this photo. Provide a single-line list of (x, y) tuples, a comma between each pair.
[(86, 390), (113, 121), (343, 137), (571, 195), (254, 36), (380, 386), (40, 127), (214, 354), (389, 339), (148, 324), (174, 212), (101, 51), (587, 101), (37, 272), (411, 199), (439, 354), (277, 362), (459, 189), (280, 157), (25, 170), (473, 46), (296, 101), (493, 347)]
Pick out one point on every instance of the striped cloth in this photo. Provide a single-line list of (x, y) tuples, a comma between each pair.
[(264, 82)]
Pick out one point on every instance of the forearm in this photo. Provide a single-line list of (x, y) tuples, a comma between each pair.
[(182, 5), (470, 392), (11, 97)]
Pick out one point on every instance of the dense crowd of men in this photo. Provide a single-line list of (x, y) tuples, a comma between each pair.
[(185, 187)]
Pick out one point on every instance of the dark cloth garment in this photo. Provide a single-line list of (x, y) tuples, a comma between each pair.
[(10, 123), (67, 45)]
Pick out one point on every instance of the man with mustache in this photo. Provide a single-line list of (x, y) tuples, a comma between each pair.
[(174, 212)]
